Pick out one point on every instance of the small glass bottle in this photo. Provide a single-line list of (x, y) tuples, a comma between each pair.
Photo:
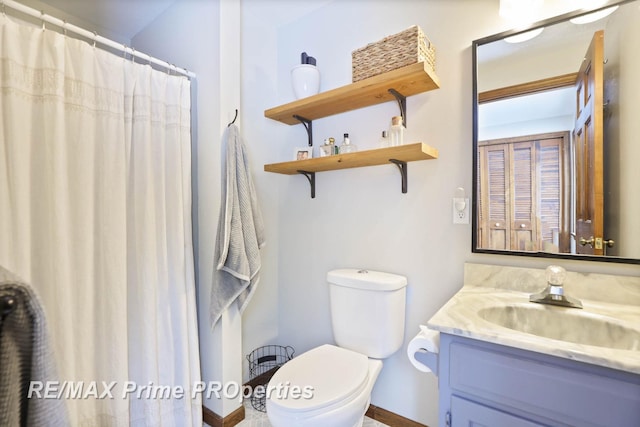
[(384, 140), (325, 149), (347, 146), (396, 132), (328, 148), (334, 147)]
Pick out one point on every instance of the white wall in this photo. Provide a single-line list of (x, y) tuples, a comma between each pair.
[(622, 200), (359, 217), (190, 34), (205, 37)]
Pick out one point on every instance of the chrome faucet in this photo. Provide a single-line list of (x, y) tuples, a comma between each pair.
[(554, 292)]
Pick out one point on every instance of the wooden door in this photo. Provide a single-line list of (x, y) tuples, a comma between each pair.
[(589, 150)]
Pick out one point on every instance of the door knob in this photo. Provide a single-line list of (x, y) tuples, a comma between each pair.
[(585, 242), (610, 243)]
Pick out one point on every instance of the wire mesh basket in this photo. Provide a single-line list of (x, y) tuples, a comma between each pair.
[(263, 363)]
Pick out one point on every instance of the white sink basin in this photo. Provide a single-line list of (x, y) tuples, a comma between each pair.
[(564, 324)]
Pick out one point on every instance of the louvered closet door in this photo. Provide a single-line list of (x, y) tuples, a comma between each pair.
[(524, 208), (495, 227), (523, 203), (551, 197)]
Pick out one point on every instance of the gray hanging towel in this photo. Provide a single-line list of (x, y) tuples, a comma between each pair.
[(240, 231), (26, 356)]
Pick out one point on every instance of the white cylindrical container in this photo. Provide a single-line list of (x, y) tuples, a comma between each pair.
[(367, 311), (305, 79)]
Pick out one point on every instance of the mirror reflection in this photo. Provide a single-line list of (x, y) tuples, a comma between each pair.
[(556, 139)]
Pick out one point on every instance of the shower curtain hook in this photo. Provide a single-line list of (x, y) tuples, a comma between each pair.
[(42, 18), (4, 12), (64, 27), (133, 54), (95, 37), (124, 51)]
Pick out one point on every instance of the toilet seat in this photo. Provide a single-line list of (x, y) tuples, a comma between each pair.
[(337, 375)]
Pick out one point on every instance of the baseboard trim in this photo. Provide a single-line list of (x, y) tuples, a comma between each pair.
[(375, 413), (214, 420), (391, 419), (262, 379)]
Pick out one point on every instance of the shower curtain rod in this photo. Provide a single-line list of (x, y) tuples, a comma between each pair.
[(92, 36)]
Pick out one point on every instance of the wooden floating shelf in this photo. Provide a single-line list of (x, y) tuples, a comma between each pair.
[(382, 156), (409, 80)]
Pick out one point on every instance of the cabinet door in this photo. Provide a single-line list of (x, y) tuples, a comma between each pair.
[(466, 413)]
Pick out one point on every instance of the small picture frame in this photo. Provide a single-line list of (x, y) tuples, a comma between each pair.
[(302, 153)]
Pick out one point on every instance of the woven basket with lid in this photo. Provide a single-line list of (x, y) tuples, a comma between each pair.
[(395, 51)]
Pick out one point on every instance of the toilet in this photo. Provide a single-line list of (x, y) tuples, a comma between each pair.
[(331, 385)]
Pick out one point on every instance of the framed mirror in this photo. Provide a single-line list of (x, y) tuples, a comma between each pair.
[(556, 137)]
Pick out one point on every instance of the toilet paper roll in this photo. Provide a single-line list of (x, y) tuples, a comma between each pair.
[(428, 341)]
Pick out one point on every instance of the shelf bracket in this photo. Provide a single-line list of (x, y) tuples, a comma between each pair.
[(308, 125), (402, 104), (403, 172), (311, 176)]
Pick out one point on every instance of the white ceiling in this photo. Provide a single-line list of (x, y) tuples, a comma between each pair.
[(116, 19)]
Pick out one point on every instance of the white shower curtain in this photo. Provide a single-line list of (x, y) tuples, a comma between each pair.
[(95, 202)]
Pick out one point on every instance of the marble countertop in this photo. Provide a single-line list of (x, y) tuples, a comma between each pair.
[(459, 316)]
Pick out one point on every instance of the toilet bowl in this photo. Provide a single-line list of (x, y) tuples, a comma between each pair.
[(330, 386), (340, 395)]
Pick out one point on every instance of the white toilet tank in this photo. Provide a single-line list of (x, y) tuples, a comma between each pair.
[(367, 310)]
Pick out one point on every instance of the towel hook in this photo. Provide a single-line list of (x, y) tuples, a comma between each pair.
[(234, 118)]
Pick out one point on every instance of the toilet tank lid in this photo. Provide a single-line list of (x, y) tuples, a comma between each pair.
[(366, 279)]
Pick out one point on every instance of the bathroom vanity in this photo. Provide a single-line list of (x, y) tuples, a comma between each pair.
[(505, 361), (495, 385)]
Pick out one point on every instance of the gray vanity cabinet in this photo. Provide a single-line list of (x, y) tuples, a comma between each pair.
[(485, 384), (469, 413)]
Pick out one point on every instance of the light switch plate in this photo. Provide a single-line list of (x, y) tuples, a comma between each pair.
[(460, 216)]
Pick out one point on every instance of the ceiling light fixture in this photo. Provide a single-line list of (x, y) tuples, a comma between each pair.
[(523, 37), (592, 17)]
